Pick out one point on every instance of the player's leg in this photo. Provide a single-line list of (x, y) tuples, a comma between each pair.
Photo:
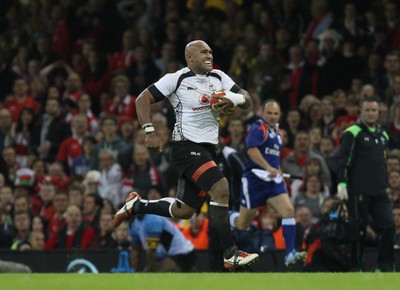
[(381, 212), (219, 217), (242, 219), (281, 203), (252, 195)]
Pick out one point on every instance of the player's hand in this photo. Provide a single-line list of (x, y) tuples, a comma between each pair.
[(224, 103), (273, 172), (342, 191), (152, 142)]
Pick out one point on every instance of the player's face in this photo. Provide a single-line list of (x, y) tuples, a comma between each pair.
[(271, 113), (200, 60), (370, 113)]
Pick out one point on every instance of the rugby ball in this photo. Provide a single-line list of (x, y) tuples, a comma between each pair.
[(214, 101)]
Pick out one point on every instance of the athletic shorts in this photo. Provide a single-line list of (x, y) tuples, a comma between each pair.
[(255, 192), (196, 169), (185, 261)]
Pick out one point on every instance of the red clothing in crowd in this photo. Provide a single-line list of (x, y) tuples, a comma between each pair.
[(69, 150), (126, 107), (15, 107)]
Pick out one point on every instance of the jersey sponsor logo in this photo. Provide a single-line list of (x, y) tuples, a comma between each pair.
[(191, 88), (274, 151), (204, 99), (201, 108)]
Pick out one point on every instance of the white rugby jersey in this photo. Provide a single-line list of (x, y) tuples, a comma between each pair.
[(190, 96)]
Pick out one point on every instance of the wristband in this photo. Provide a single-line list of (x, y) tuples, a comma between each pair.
[(149, 130), (147, 125), (236, 99)]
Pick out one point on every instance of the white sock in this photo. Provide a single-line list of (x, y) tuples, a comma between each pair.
[(232, 218)]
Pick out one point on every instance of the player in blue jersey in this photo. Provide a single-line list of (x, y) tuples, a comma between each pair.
[(264, 144), (167, 250)]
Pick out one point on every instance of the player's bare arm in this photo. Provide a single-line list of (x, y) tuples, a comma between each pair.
[(143, 109)]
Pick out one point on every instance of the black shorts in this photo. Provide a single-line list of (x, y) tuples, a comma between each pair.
[(196, 169), (185, 261)]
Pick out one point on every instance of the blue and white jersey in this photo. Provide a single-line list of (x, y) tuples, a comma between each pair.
[(190, 95), (269, 142), (152, 228)]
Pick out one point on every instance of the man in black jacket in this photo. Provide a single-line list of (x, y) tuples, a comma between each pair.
[(362, 181)]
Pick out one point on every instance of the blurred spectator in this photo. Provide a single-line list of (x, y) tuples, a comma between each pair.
[(111, 177), (21, 203), (321, 20), (328, 115), (84, 108), (305, 220), (73, 91), (300, 78), (10, 158), (74, 235), (6, 132), (142, 72), (82, 164), (392, 95), (394, 187), (294, 163), (6, 229), (143, 173), (36, 240), (71, 147), (386, 80), (121, 237), (121, 103), (126, 129), (315, 135), (43, 52), (60, 203), (264, 72), (312, 196), (396, 216), (120, 61), (50, 131), (23, 136), (20, 100), (6, 198), (75, 195), (91, 182), (197, 233), (91, 209), (57, 176), (292, 124), (110, 141), (312, 167), (104, 239), (393, 128), (168, 55), (392, 163), (22, 224), (47, 192), (237, 140)]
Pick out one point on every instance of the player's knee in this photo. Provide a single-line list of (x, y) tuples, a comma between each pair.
[(219, 192), (241, 225), (182, 213), (288, 212)]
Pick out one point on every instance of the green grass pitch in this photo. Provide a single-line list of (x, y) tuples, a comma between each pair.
[(202, 281)]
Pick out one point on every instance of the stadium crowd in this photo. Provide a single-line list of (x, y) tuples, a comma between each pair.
[(70, 72)]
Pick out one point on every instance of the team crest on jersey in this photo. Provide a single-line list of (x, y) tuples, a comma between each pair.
[(204, 100)]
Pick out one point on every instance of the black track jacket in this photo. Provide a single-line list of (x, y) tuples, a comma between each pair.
[(362, 160)]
